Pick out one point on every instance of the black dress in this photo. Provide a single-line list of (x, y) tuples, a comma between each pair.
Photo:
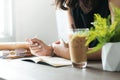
[(83, 20)]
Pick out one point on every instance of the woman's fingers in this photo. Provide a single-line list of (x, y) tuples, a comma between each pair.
[(29, 41), (39, 48), (57, 42)]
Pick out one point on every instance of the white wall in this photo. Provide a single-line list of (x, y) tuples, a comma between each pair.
[(34, 17), (62, 24)]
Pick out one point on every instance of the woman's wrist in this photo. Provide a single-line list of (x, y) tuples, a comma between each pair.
[(52, 51)]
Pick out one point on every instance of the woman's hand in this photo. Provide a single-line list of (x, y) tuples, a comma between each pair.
[(39, 48), (61, 49)]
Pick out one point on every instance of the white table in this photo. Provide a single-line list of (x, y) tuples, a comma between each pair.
[(22, 70)]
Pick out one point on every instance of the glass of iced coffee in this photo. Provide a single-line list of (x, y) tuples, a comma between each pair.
[(77, 47)]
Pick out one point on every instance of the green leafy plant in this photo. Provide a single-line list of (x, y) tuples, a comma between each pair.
[(104, 31)]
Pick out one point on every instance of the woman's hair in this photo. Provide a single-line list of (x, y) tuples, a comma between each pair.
[(65, 4)]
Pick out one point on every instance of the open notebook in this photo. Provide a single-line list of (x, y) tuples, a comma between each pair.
[(53, 61)]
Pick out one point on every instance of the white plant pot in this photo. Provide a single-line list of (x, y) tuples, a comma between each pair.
[(111, 56)]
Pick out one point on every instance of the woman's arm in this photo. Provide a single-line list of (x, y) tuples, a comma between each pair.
[(116, 3), (95, 55), (71, 23), (61, 50)]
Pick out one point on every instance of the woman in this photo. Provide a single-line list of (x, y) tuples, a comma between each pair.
[(116, 3), (80, 15)]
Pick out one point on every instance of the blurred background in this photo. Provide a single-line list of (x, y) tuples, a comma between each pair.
[(21, 19)]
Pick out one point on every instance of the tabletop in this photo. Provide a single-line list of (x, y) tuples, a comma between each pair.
[(23, 70)]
